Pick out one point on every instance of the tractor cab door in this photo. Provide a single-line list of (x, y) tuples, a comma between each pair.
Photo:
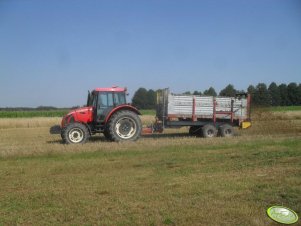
[(105, 103)]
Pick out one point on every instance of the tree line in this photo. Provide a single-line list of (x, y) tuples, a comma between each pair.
[(261, 94)]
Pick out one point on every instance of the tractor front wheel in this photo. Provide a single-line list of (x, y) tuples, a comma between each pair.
[(124, 125), (75, 133)]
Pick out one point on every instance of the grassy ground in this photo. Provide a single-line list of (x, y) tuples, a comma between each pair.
[(169, 179)]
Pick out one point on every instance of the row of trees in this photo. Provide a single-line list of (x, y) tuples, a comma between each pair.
[(262, 95), (144, 99), (274, 95)]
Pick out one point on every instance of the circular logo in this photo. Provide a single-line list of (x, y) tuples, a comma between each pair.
[(282, 215)]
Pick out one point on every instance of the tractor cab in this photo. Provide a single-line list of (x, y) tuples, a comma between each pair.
[(104, 100)]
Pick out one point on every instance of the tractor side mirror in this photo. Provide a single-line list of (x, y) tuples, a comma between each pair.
[(88, 99)]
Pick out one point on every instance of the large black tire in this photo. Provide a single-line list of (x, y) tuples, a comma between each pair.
[(124, 126), (62, 132), (195, 130), (209, 131), (107, 135), (226, 130), (75, 133)]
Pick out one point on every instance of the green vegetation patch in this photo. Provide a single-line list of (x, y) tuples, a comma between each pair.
[(286, 108), (32, 114), (148, 112)]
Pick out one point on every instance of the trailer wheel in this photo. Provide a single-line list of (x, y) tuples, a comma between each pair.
[(195, 130), (226, 130), (75, 133), (124, 125), (209, 131)]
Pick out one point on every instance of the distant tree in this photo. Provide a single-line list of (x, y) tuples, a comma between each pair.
[(151, 99), (292, 93), (283, 94), (187, 93), (45, 108), (299, 94), (251, 89), (144, 99), (274, 94), (197, 93), (210, 92), (261, 95), (240, 91), (228, 91), (140, 98)]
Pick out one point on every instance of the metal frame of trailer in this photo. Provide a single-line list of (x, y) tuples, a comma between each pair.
[(178, 110)]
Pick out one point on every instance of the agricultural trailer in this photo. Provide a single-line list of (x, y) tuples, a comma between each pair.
[(108, 112)]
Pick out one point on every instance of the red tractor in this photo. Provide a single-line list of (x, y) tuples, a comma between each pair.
[(106, 112)]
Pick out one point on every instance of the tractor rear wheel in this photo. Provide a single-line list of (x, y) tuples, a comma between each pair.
[(124, 125), (209, 131), (75, 133), (106, 133)]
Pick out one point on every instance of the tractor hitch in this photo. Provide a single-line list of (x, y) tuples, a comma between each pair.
[(56, 129)]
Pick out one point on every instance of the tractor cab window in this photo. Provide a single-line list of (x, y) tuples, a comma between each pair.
[(105, 100), (105, 103), (119, 98)]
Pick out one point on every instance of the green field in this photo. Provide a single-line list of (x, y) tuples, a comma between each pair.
[(32, 113), (50, 113), (164, 179), (148, 112), (60, 113), (286, 108)]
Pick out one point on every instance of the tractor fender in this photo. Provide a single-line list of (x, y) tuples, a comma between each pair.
[(121, 108)]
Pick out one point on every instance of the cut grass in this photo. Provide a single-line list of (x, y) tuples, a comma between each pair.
[(168, 179), (155, 181)]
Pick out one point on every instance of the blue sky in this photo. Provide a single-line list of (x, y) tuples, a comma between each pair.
[(53, 51)]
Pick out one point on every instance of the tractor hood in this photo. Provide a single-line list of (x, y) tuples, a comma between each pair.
[(82, 115), (82, 110)]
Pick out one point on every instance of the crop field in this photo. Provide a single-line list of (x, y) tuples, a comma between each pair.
[(167, 179), (32, 113), (50, 113)]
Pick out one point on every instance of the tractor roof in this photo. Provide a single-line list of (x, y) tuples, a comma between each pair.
[(111, 89)]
